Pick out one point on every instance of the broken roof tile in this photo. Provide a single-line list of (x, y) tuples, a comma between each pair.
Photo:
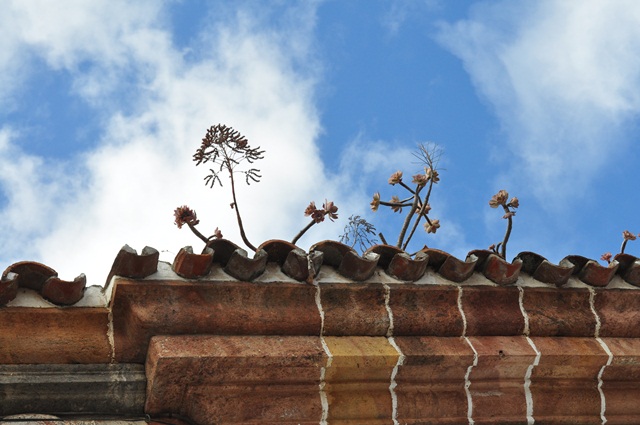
[(541, 269), (450, 267), (8, 287), (495, 268), (63, 292), (192, 266), (346, 260), (591, 272), (128, 263), (399, 264), (629, 268)]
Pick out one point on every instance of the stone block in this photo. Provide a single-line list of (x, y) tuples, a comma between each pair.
[(423, 310)]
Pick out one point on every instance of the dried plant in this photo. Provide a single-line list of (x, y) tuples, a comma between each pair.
[(185, 215), (418, 205), (317, 216), (359, 232), (500, 200), (227, 149), (626, 237)]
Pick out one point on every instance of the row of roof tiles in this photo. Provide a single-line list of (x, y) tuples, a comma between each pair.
[(303, 266)]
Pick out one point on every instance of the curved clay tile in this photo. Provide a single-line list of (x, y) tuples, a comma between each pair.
[(495, 268), (399, 264), (193, 266), (293, 261), (450, 267), (541, 269), (129, 263), (629, 268), (222, 250), (277, 250), (63, 292), (302, 266), (333, 252), (347, 260), (244, 268), (386, 253), (31, 274), (8, 287), (591, 272)]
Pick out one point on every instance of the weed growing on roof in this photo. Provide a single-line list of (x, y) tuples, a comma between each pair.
[(415, 201), (359, 231), (626, 237), (500, 200), (227, 150)]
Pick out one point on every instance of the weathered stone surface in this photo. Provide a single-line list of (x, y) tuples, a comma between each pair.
[(54, 335), (559, 312), (621, 381), (78, 388), (425, 310), (492, 311), (358, 379), (354, 309), (236, 379), (564, 385), (430, 382), (142, 309), (619, 312), (497, 381)]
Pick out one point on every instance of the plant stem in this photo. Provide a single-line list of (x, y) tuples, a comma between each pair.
[(384, 241), (420, 214), (303, 231), (503, 248), (198, 234), (235, 206), (624, 245), (407, 220)]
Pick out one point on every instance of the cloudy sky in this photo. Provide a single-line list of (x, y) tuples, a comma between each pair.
[(103, 103)]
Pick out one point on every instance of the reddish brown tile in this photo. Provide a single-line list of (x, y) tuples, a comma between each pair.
[(619, 312), (54, 335), (425, 310), (559, 312), (142, 309), (354, 309), (497, 381), (492, 311), (430, 383), (236, 379)]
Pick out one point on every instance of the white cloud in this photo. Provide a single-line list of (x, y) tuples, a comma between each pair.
[(564, 80), (76, 215)]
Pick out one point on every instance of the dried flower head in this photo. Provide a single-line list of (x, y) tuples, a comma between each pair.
[(395, 178), (185, 215), (431, 226), (499, 199), (514, 203), (509, 214), (420, 179), (397, 207), (330, 209), (606, 257), (217, 233), (310, 209), (432, 174), (426, 210), (628, 236), (375, 203)]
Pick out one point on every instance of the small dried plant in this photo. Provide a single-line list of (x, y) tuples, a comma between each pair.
[(417, 204), (359, 232), (227, 150), (626, 237), (329, 209), (500, 200)]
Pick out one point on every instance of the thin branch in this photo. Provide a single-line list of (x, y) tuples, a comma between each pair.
[(503, 248), (197, 233), (303, 231), (235, 206)]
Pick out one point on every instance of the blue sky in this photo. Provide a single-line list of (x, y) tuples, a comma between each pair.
[(103, 103)]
